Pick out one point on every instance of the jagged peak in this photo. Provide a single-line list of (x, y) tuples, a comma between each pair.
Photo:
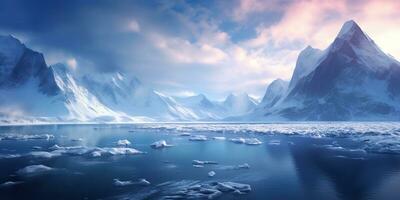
[(351, 30)]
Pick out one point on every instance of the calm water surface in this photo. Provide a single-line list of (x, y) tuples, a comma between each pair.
[(283, 167)]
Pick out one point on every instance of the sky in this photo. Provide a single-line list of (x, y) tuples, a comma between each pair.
[(184, 48)]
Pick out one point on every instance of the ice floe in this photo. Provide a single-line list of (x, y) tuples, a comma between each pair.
[(379, 137), (26, 137), (10, 183), (274, 142), (33, 170), (235, 167), (248, 141), (211, 173), (123, 142), (160, 144), (204, 162), (219, 138), (211, 190), (141, 181), (198, 138), (93, 151), (184, 134), (118, 182)]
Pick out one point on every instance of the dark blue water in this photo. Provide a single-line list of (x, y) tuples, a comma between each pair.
[(283, 167)]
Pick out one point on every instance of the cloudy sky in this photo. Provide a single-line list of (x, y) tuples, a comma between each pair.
[(190, 47)]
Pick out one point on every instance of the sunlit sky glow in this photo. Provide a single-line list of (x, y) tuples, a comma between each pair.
[(191, 47)]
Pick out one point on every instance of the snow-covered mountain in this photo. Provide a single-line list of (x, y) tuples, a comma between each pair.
[(32, 91), (353, 79), (275, 91), (239, 104), (204, 108)]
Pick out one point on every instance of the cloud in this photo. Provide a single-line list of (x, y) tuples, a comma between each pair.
[(72, 63), (133, 26)]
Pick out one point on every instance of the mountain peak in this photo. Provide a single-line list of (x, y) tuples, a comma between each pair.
[(352, 31)]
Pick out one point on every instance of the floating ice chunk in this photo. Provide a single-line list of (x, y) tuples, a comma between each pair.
[(143, 181), (198, 138), (274, 142), (10, 183), (253, 141), (117, 182), (120, 151), (123, 142), (43, 154), (232, 186), (198, 166), (248, 141), (76, 139), (211, 173), (10, 156), (184, 134), (160, 144), (219, 138), (36, 147), (195, 190), (243, 166), (27, 137), (33, 170), (204, 162), (238, 140)]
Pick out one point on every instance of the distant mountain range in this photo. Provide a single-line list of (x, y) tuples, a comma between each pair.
[(350, 80), (33, 92)]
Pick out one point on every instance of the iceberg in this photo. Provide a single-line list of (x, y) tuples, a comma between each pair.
[(123, 142), (160, 144)]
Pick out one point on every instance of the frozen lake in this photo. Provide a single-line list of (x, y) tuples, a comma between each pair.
[(224, 161)]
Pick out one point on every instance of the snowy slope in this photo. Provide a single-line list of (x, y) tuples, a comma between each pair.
[(353, 79), (275, 92), (239, 104), (204, 108)]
